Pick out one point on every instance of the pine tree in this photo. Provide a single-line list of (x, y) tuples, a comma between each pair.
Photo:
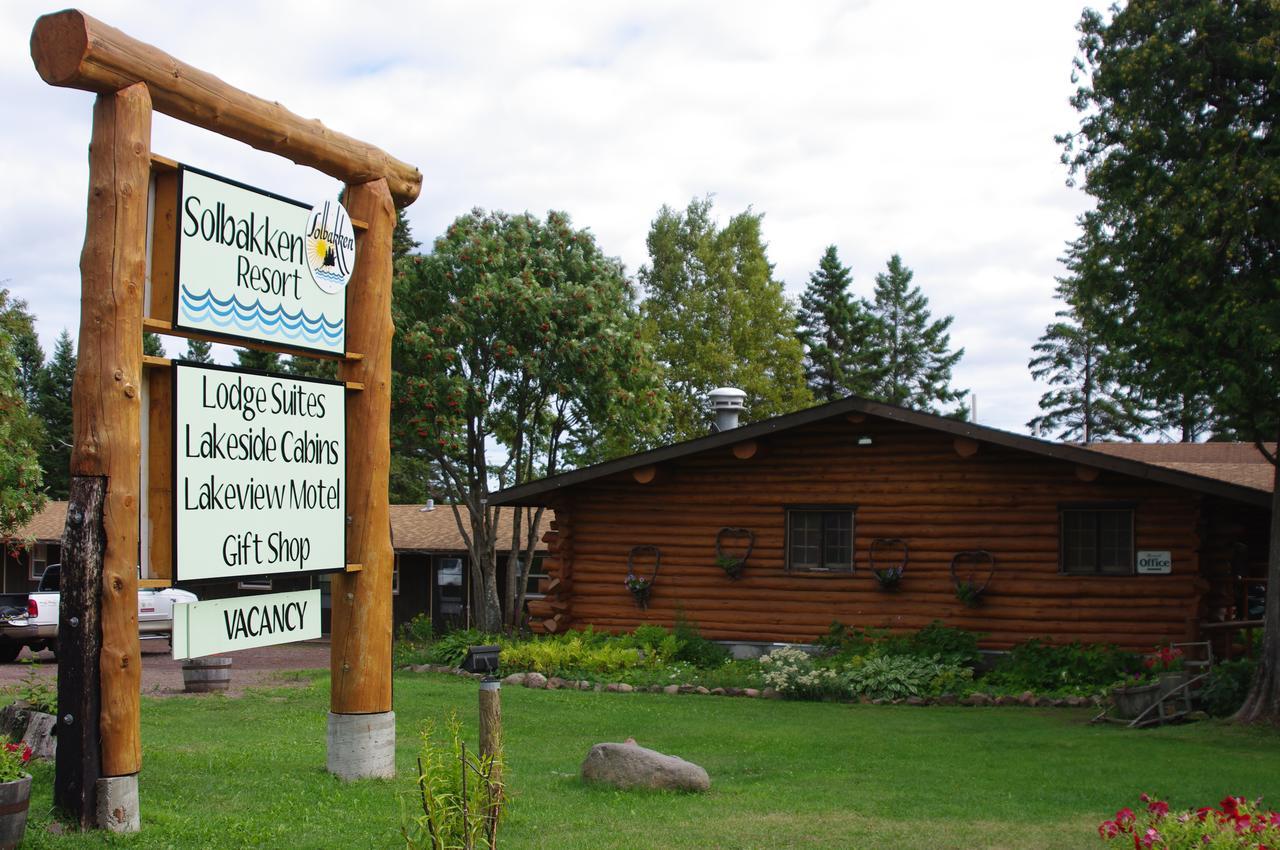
[(151, 345), (17, 320), (53, 407), (311, 367), (834, 326), (198, 351), (913, 350), (21, 488), (263, 361), (716, 316)]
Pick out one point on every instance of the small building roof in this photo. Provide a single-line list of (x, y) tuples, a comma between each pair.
[(1234, 463), (1204, 478), (411, 528)]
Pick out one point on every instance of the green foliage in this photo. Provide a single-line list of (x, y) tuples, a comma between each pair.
[(263, 361), (1227, 686), (950, 645), (198, 351), (459, 794), (796, 674), (901, 676), (39, 693), (14, 757), (452, 648), (716, 316), (152, 345), (1084, 403), (417, 630), (310, 367), (693, 648), (1072, 668), (913, 349), (21, 481), (53, 407), (19, 324), (572, 656), (834, 327)]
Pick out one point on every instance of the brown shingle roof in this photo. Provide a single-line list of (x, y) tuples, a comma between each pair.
[(437, 531), (411, 527), (1234, 463)]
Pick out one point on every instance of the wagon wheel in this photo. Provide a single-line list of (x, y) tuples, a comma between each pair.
[(733, 564), (886, 573), (971, 586), (641, 585)]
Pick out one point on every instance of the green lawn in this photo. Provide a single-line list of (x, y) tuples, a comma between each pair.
[(246, 772)]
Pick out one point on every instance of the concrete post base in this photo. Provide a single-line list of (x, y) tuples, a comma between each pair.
[(118, 803), (362, 746)]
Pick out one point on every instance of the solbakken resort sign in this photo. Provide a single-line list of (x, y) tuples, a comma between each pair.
[(259, 473), (254, 265)]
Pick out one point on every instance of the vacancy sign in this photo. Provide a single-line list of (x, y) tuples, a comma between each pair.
[(259, 473), (254, 265), (225, 625)]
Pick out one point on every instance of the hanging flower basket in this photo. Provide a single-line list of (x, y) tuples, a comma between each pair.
[(733, 563), (887, 569), (971, 572), (640, 585)]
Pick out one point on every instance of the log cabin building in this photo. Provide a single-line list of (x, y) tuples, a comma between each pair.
[(990, 531)]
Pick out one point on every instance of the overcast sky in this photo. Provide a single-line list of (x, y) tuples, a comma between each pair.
[(918, 128)]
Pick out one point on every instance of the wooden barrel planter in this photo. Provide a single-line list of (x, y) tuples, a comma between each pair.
[(14, 799), (205, 675)]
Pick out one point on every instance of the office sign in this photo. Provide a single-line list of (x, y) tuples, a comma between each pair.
[(1155, 563), (259, 473), (254, 265), (225, 625)]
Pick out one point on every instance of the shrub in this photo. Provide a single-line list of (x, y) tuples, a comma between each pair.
[(951, 646), (1048, 668), (417, 630), (1228, 685), (40, 694), (694, 648), (572, 656), (901, 676), (458, 792), (452, 648), (1236, 823), (795, 675)]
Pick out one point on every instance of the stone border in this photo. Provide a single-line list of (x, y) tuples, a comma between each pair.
[(536, 680)]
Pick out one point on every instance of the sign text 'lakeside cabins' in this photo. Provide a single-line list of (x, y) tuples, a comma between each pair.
[(255, 265)]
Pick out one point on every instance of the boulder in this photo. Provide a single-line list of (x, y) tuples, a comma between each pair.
[(671, 689), (701, 690), (977, 699), (719, 692), (948, 699), (1026, 698), (39, 735), (514, 679), (655, 689), (914, 700), (535, 680), (750, 692), (630, 766), (771, 693), (555, 683)]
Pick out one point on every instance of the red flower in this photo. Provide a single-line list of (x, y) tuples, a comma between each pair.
[(1125, 817), (1109, 829), (1159, 808)]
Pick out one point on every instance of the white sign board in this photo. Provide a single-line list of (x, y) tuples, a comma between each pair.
[(255, 265), (1155, 563), (259, 473), (225, 625)]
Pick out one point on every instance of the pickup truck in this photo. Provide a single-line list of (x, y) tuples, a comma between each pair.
[(32, 619)]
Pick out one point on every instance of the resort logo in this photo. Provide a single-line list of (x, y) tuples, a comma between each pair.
[(330, 245)]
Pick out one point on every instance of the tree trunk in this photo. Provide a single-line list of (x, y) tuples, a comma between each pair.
[(1263, 702)]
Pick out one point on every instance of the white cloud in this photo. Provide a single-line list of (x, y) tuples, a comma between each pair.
[(881, 127)]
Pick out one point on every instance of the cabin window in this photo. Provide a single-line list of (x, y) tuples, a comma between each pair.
[(1097, 541), (395, 576), (535, 575), (820, 539), (39, 560)]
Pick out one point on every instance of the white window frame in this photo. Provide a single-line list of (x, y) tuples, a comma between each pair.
[(39, 554)]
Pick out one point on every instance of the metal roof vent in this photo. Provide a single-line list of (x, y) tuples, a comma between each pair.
[(727, 405)]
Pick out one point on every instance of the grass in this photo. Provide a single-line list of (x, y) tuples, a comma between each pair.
[(249, 772)]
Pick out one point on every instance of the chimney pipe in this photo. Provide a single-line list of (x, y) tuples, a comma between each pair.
[(727, 405)]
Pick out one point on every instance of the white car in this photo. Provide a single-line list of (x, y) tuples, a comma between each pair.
[(32, 619)]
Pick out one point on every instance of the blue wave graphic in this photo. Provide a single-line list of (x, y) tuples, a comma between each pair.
[(251, 317)]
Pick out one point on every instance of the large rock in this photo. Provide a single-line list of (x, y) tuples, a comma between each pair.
[(39, 735), (632, 766)]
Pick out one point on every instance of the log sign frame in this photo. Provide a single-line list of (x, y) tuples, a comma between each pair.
[(259, 473)]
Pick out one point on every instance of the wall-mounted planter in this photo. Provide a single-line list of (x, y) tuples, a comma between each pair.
[(734, 561), (971, 572), (641, 585), (888, 557)]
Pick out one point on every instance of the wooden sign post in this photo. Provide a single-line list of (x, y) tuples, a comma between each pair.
[(99, 750)]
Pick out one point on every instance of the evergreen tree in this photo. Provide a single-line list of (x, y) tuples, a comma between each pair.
[(198, 351), (914, 351), (402, 241), (21, 488), (23, 343), (1084, 403), (151, 345), (53, 407), (835, 326), (263, 361), (716, 316), (311, 367)]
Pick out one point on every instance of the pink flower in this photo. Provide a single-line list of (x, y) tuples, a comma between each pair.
[(1159, 808), (1125, 817), (1109, 829), (1149, 838)]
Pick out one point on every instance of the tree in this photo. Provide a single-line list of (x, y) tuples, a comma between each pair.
[(263, 361), (1177, 147), (1084, 403), (517, 350), (198, 351), (716, 317), (152, 346), (834, 328), (310, 367), (17, 320), (21, 496), (914, 351), (53, 408)]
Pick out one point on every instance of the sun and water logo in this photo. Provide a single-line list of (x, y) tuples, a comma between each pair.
[(330, 246)]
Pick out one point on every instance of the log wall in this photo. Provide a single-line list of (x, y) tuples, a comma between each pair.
[(910, 483)]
